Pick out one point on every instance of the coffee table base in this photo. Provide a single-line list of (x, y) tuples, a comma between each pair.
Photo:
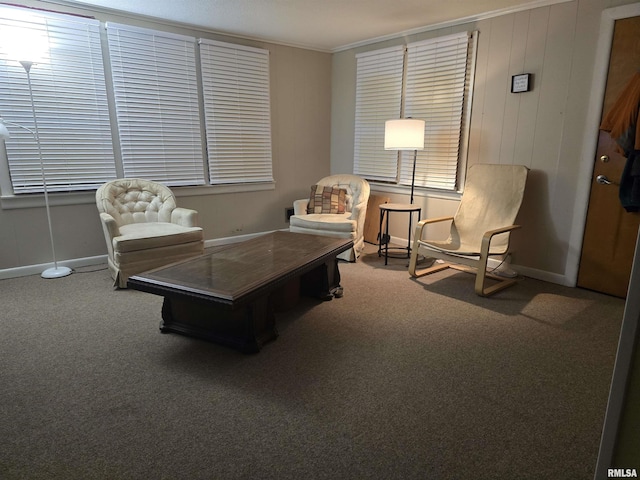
[(249, 326), (245, 329)]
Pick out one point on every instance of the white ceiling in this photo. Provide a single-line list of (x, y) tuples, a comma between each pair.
[(326, 25)]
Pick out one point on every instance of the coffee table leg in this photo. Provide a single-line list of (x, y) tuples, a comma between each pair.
[(323, 282), (245, 328), (336, 290)]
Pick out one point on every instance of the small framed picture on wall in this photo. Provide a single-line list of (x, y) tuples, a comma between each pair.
[(521, 83)]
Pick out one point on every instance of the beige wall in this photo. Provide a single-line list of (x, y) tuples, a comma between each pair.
[(543, 129), (313, 102), (301, 100)]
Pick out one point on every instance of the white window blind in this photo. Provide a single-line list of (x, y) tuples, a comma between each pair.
[(235, 82), (378, 99), (156, 94), (435, 91), (70, 103)]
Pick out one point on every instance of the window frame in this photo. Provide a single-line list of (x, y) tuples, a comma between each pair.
[(238, 126), (10, 199), (70, 103), (404, 160), (157, 105), (380, 77)]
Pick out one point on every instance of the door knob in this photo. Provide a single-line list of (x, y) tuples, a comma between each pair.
[(604, 158), (603, 180)]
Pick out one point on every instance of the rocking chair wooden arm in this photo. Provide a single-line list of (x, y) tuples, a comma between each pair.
[(486, 238), (422, 223)]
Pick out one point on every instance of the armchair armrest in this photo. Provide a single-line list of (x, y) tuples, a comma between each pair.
[(358, 212), (423, 223), (110, 226), (110, 229), (185, 217), (300, 206)]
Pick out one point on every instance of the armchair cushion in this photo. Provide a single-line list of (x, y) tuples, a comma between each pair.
[(143, 236), (327, 199), (327, 221)]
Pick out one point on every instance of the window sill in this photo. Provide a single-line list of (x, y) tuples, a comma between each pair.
[(32, 200), (418, 191), (220, 189), (10, 202)]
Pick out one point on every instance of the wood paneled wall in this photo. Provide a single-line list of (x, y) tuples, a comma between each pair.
[(543, 129)]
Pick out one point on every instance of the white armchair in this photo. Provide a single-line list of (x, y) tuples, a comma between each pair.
[(319, 220), (144, 228)]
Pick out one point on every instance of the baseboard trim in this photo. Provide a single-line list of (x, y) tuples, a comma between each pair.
[(75, 263), (545, 276), (39, 268)]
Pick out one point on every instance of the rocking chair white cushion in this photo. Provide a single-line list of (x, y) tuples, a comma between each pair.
[(480, 228)]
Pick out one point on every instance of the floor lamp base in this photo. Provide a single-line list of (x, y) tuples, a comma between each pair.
[(56, 272)]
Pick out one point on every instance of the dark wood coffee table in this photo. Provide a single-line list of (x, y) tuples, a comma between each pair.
[(230, 296)]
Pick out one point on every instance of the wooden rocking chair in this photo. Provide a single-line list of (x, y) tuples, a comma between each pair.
[(480, 228)]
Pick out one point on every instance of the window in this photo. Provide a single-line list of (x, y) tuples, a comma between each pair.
[(378, 99), (69, 99), (181, 111), (433, 85), (237, 112), (157, 107)]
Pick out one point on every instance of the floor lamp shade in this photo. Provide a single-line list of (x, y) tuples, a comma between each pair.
[(404, 134)]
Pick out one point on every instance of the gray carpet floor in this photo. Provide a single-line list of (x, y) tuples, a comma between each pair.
[(399, 379)]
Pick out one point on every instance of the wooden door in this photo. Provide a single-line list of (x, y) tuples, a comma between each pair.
[(610, 231)]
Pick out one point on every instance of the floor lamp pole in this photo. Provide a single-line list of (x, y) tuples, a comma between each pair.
[(413, 181), (56, 271), (413, 175)]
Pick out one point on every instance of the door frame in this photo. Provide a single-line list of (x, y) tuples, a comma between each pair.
[(627, 347), (592, 128)]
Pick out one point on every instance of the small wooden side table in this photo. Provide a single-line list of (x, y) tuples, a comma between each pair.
[(383, 239)]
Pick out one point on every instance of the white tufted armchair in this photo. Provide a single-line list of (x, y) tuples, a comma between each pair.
[(349, 224), (144, 228)]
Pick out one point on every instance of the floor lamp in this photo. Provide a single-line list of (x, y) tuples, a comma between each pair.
[(55, 271), (405, 134)]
